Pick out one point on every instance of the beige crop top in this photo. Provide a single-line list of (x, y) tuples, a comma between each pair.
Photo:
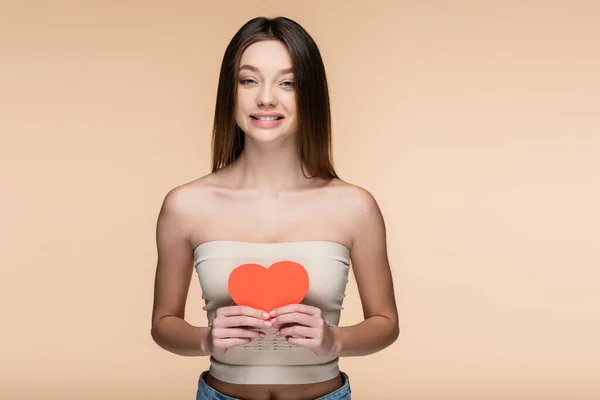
[(271, 360)]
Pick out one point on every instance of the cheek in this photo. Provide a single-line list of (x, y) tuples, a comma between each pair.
[(290, 104), (241, 107)]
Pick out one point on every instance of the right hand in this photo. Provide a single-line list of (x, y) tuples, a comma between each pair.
[(234, 326)]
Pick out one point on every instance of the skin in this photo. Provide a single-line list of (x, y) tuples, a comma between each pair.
[(264, 197)]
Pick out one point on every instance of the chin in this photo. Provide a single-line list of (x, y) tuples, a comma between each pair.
[(266, 135)]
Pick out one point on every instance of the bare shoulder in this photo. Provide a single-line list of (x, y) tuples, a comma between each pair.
[(357, 202), (359, 208), (190, 201)]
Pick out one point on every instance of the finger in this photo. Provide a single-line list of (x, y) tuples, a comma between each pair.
[(297, 318), (281, 326), (242, 310), (301, 342), (298, 331), (241, 321), (233, 333), (300, 308), (230, 342)]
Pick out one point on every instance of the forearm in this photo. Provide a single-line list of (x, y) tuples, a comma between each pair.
[(367, 337), (176, 335)]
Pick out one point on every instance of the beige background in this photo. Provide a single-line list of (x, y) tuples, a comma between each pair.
[(474, 123)]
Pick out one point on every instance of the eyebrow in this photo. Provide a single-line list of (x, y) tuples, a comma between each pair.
[(254, 69)]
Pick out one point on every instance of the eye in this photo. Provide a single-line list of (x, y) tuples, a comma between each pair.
[(288, 84), (247, 81)]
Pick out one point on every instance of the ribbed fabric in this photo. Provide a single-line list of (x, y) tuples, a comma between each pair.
[(272, 360)]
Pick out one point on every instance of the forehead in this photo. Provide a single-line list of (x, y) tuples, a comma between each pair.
[(267, 56)]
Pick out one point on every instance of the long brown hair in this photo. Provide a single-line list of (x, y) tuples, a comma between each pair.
[(312, 96)]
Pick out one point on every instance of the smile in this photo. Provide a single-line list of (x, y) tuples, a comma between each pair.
[(266, 118), (266, 121)]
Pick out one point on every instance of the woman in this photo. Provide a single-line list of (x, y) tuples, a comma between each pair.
[(273, 195)]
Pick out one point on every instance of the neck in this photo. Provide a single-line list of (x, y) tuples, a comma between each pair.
[(270, 168)]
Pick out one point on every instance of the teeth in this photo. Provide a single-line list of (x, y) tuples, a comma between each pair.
[(267, 118)]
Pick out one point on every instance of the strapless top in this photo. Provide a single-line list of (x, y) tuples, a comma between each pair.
[(272, 360)]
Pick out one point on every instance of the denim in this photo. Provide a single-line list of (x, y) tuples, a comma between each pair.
[(205, 392)]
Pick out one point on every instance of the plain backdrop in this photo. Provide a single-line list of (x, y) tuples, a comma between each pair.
[(474, 123)]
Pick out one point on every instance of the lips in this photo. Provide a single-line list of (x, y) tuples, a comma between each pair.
[(260, 123), (266, 120), (266, 117)]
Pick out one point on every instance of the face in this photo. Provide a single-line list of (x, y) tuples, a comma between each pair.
[(266, 100)]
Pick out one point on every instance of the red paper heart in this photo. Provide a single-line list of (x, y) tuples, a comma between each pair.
[(283, 283)]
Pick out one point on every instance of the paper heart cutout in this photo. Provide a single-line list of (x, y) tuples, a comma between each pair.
[(283, 283)]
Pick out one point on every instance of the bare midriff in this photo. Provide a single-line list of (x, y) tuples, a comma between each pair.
[(308, 391)]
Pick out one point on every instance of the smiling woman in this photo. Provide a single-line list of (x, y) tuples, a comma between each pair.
[(273, 208), (271, 60), (260, 87)]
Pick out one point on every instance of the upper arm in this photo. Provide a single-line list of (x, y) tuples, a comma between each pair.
[(369, 256), (175, 258)]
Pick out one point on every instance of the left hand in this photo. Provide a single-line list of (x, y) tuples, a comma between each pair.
[(304, 326)]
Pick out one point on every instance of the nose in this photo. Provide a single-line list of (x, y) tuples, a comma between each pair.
[(265, 96)]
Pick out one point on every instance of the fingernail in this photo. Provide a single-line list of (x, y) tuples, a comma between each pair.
[(273, 320), (276, 333), (273, 312), (262, 334), (267, 323), (265, 315)]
